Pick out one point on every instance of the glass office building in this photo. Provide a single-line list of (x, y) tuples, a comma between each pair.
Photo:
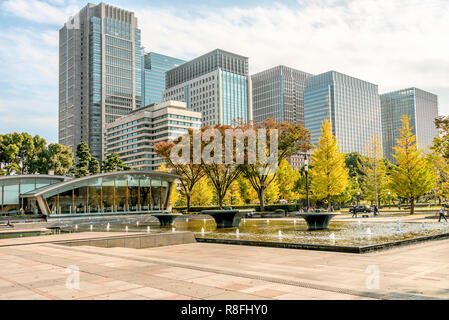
[(153, 83), (100, 73), (420, 106), (352, 105), (216, 84), (278, 93)]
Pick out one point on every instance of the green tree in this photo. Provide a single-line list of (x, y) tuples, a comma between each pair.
[(84, 157), (354, 162), (94, 166), (412, 177), (26, 153), (56, 157), (10, 146), (329, 175), (40, 145), (113, 163), (21, 153)]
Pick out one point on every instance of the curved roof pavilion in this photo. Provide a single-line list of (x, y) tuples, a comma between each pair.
[(12, 187), (121, 192)]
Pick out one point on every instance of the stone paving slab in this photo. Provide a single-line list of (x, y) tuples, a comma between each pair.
[(222, 272)]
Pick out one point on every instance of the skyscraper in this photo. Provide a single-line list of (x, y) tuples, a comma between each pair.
[(100, 62), (216, 84), (352, 105), (420, 106), (153, 84), (278, 93)]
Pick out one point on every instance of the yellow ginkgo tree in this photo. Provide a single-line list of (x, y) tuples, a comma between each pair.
[(412, 176), (329, 175)]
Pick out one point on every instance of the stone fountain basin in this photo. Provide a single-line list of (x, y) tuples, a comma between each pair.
[(226, 218), (166, 219), (319, 220)]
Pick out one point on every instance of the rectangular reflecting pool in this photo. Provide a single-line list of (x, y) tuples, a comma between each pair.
[(22, 234), (340, 233), (349, 236)]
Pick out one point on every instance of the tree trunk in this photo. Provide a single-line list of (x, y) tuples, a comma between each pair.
[(260, 193), (188, 202), (328, 203), (220, 200), (412, 205)]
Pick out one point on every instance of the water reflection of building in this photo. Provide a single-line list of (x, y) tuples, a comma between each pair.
[(107, 193)]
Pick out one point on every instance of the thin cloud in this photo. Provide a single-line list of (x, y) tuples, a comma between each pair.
[(392, 43), (53, 12)]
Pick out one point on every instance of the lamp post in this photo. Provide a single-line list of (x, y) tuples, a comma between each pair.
[(358, 198), (306, 170), (389, 201)]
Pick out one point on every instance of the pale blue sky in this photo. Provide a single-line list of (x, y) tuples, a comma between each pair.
[(395, 44)]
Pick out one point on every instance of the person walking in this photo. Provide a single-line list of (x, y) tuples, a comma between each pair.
[(442, 210), (354, 212), (376, 210)]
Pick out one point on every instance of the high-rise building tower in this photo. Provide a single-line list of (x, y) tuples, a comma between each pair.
[(216, 84), (153, 84), (100, 66), (352, 105), (278, 93), (420, 106)]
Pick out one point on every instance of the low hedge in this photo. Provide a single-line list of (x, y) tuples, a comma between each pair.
[(271, 207)]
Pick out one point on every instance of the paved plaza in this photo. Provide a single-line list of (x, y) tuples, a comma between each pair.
[(216, 271)]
